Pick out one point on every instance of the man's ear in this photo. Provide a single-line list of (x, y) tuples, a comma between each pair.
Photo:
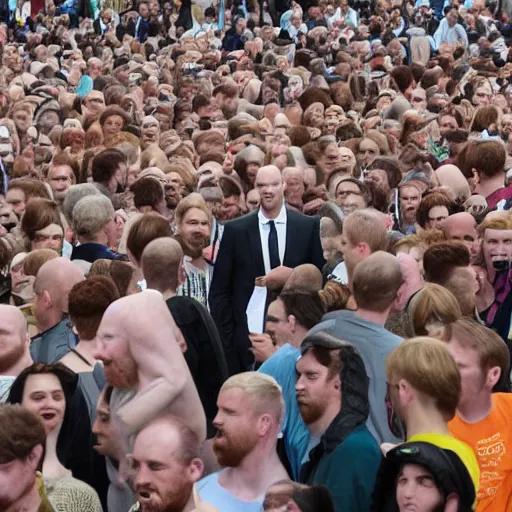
[(292, 322), (476, 175), (493, 376), (452, 503)]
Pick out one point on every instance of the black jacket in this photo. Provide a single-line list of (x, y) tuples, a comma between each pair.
[(205, 355), (239, 262)]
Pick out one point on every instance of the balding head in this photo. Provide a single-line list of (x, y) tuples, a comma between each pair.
[(55, 280), (161, 264), (376, 282), (15, 344), (305, 277), (451, 178), (462, 226), (411, 276)]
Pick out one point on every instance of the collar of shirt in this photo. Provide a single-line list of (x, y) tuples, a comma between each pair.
[(280, 219)]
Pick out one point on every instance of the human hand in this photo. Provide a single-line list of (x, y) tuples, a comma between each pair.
[(262, 346), (275, 279)]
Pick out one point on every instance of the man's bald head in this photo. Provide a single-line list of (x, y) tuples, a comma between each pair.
[(57, 277), (459, 225), (268, 172), (11, 316), (305, 277), (161, 264), (376, 281), (412, 280)]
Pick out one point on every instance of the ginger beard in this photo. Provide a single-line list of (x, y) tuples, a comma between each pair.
[(232, 447), (172, 499)]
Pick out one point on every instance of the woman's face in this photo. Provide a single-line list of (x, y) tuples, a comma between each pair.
[(51, 237), (483, 95), (43, 395), (113, 124)]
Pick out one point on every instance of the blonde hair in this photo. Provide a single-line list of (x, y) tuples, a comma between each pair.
[(264, 389), (193, 200), (427, 365), (366, 226), (433, 307)]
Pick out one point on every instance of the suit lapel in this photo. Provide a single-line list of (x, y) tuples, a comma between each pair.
[(255, 246)]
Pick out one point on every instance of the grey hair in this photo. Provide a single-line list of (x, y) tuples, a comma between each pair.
[(73, 195), (91, 214)]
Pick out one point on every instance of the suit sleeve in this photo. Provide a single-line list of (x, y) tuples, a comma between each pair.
[(317, 254), (220, 298)]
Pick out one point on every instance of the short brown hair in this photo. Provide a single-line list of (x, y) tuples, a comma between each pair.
[(121, 273), (145, 229), (440, 259), (376, 281), (433, 304), (30, 187), (491, 348), (39, 214), (487, 157), (87, 302), (20, 432), (147, 191), (365, 226), (432, 199), (306, 306), (427, 365)]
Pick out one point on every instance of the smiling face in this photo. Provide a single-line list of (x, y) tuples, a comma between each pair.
[(43, 395)]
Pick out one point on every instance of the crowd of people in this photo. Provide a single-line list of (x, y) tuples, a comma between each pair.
[(255, 256)]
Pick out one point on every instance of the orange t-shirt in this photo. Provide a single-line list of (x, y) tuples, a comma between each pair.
[(491, 439)]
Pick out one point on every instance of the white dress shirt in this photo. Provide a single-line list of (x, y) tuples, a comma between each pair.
[(280, 223)]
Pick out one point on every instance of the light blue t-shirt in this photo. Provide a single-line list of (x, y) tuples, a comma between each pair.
[(281, 366), (213, 493)]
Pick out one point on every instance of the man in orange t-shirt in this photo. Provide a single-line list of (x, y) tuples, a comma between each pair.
[(484, 418)]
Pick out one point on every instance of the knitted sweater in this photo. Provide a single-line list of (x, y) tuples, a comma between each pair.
[(67, 494)]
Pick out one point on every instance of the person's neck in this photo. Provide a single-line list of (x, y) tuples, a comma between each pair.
[(190, 506), (425, 420), (86, 349), (488, 186), (166, 294), (24, 362), (52, 318), (317, 429), (29, 501), (254, 473), (146, 209), (199, 262), (298, 336), (111, 185), (377, 317), (477, 409), (52, 468), (100, 239), (272, 214)]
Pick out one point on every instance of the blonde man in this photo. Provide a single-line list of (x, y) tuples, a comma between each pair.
[(423, 390), (251, 411), (483, 417)]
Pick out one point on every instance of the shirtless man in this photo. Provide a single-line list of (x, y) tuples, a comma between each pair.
[(144, 363)]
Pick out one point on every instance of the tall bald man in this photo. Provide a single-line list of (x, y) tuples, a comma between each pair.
[(14, 352), (51, 287), (260, 248), (143, 362)]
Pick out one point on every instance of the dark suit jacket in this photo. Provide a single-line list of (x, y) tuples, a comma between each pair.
[(239, 262)]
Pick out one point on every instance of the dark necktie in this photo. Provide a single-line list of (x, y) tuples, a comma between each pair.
[(273, 246)]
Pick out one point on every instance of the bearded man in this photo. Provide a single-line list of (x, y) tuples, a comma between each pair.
[(193, 223), (251, 411)]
